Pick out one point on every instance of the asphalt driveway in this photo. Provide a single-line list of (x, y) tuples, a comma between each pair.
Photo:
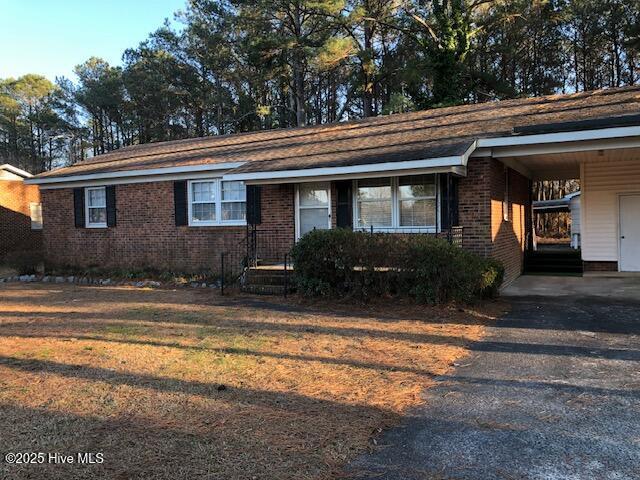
[(552, 393)]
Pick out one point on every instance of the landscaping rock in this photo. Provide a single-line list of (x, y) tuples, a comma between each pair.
[(24, 278), (59, 279), (194, 284), (45, 279), (71, 279)]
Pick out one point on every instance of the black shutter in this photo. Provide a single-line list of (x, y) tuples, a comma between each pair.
[(254, 204), (448, 201), (78, 207), (111, 205), (344, 205), (180, 202)]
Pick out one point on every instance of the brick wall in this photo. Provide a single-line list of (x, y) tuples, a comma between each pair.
[(595, 266), (486, 233), (145, 234), (15, 217)]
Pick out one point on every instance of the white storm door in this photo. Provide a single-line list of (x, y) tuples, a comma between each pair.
[(313, 207), (630, 233)]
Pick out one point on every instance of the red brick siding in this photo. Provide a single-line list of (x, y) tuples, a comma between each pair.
[(146, 235), (509, 236), (600, 266), (474, 206), (15, 217), (486, 233)]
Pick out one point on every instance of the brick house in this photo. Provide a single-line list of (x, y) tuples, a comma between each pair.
[(177, 205), (20, 212)]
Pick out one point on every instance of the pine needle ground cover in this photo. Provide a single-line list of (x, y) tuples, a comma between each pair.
[(186, 384)]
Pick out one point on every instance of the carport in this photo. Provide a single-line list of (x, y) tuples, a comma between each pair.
[(604, 155)]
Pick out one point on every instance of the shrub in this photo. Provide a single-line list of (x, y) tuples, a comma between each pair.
[(341, 262), (25, 262)]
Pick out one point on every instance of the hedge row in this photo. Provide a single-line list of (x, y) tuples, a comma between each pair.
[(341, 263)]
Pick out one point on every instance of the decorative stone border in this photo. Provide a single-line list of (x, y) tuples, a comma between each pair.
[(78, 280)]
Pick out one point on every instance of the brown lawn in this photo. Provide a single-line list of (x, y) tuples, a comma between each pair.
[(187, 384)]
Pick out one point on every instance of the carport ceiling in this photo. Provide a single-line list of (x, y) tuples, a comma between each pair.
[(565, 166)]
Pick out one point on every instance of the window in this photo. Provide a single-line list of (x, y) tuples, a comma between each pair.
[(374, 203), (234, 201), (203, 202), (35, 210), (213, 202), (505, 200), (96, 207), (417, 197), (403, 203)]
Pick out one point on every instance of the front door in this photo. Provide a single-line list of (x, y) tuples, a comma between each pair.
[(313, 207), (630, 233)]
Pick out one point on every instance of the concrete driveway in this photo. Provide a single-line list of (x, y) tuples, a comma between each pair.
[(552, 393)]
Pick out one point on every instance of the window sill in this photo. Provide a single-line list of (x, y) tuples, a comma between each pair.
[(220, 224), (96, 226), (397, 229)]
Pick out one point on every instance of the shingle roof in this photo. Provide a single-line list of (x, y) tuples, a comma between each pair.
[(410, 136)]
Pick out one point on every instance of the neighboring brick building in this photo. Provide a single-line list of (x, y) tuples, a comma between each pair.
[(18, 204), (179, 205)]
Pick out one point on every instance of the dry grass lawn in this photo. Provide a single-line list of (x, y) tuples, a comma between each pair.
[(187, 384)]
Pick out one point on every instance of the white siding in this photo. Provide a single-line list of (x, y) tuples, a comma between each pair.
[(574, 206), (601, 183)]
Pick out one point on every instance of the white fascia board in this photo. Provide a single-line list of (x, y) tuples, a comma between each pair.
[(560, 137), (156, 174), (458, 170), (567, 147), (368, 170), (15, 170)]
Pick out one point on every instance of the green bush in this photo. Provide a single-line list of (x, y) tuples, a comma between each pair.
[(341, 262)]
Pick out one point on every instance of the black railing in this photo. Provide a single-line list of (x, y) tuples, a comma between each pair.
[(267, 246), (453, 235)]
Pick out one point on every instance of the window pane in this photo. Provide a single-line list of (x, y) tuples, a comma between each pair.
[(311, 218), (97, 215), (417, 213), (313, 194), (417, 186), (374, 189), (376, 213), (204, 191), (97, 197), (233, 211), (204, 212), (233, 191)]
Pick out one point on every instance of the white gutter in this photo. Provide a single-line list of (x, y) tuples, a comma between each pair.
[(135, 173), (369, 169), (15, 170), (597, 134)]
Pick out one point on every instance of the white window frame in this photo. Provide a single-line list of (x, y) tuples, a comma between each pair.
[(395, 210), (298, 207), (218, 222), (87, 207)]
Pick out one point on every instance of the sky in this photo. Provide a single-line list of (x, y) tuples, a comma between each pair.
[(51, 37)]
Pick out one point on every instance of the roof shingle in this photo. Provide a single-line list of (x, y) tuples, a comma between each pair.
[(410, 136)]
